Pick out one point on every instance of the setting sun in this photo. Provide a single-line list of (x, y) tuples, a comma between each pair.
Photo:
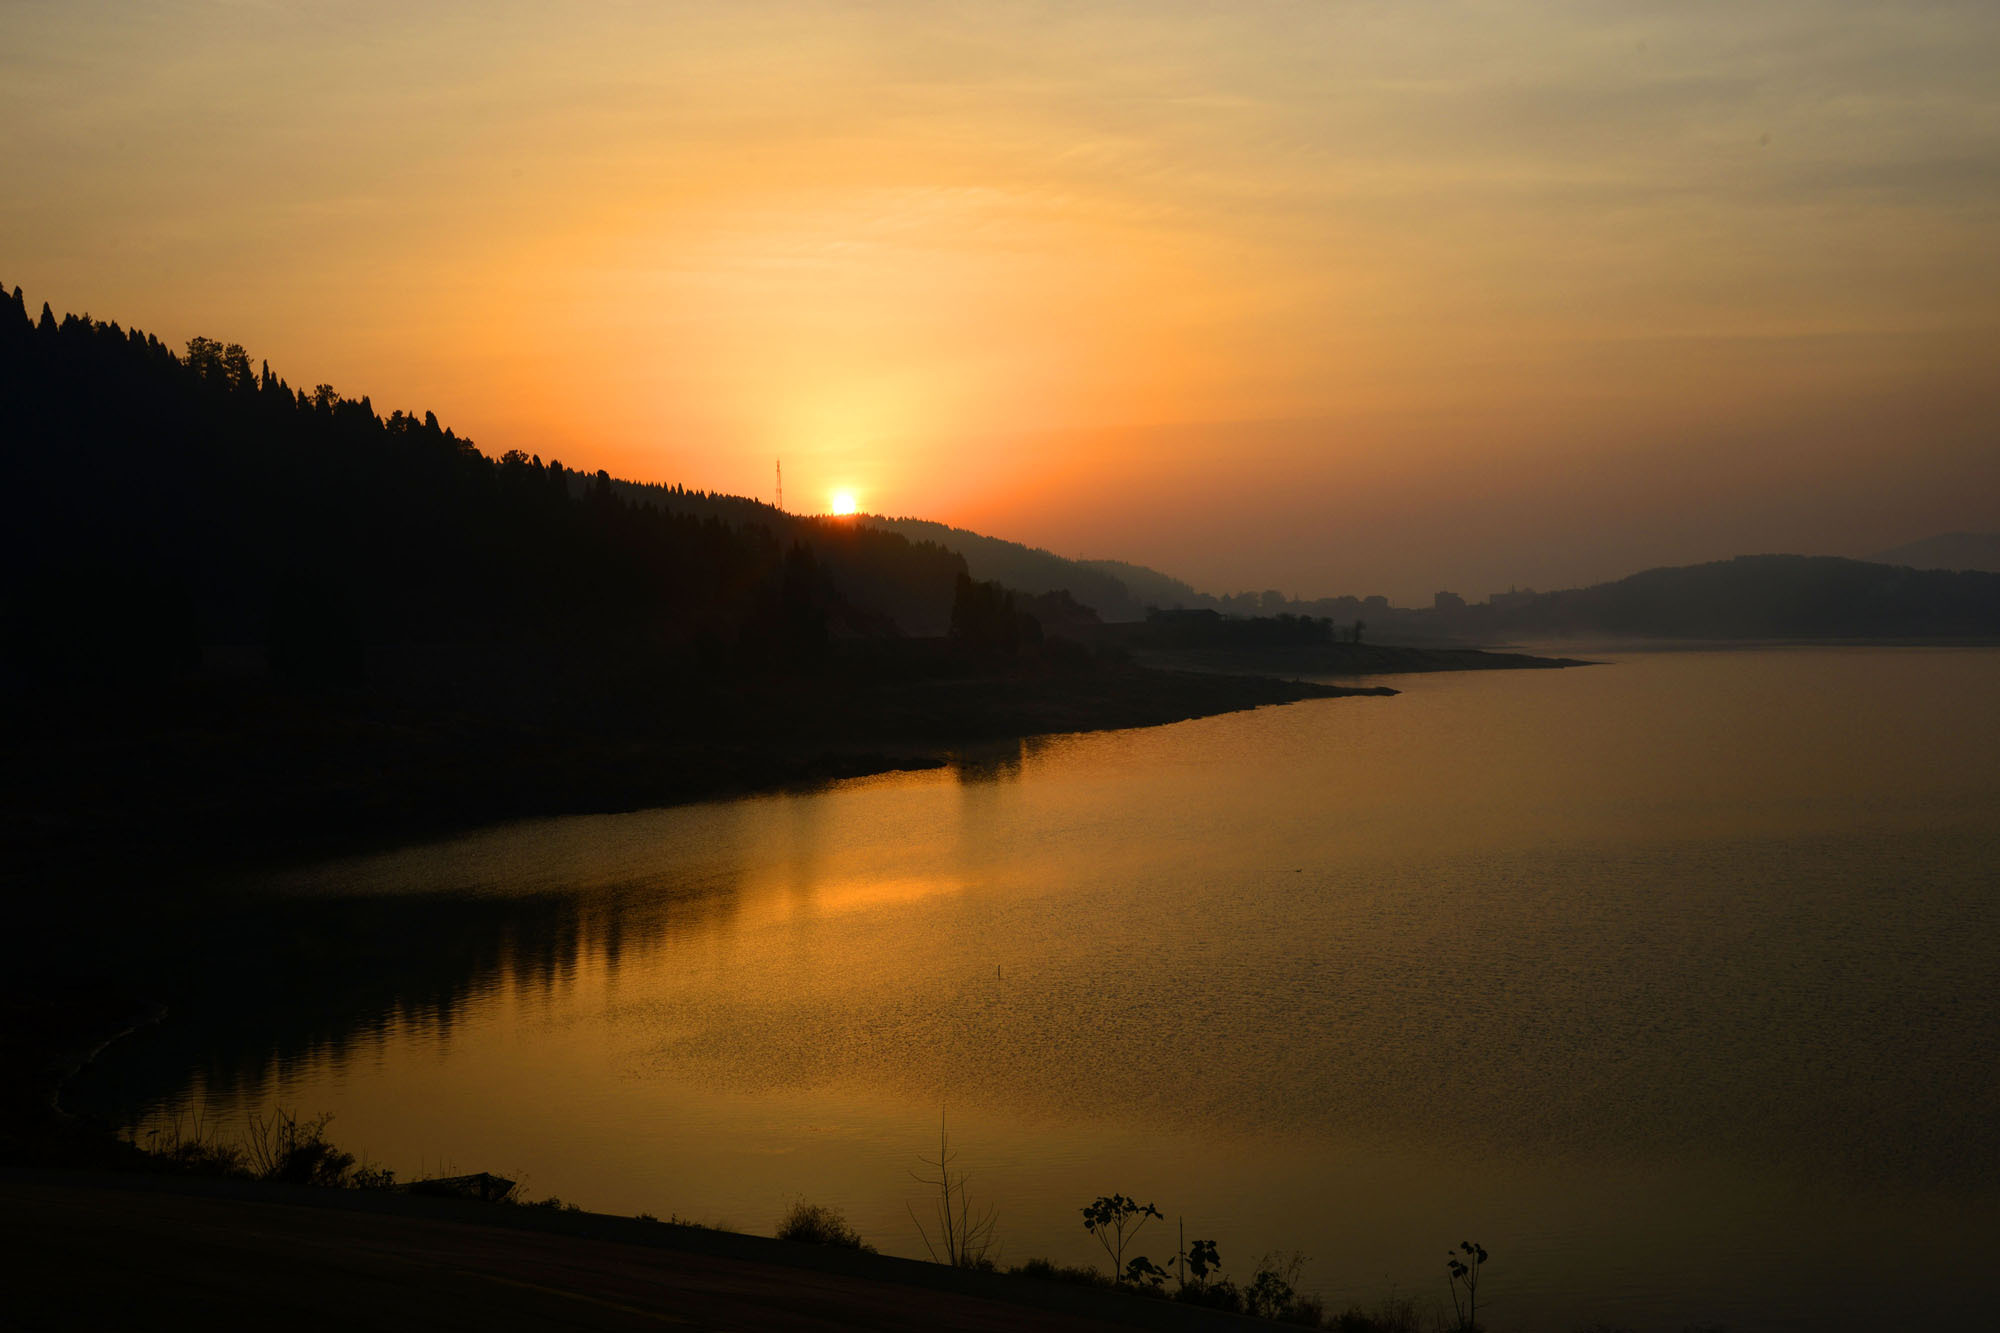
[(843, 502)]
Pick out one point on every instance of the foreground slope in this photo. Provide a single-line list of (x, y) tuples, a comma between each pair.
[(122, 1252)]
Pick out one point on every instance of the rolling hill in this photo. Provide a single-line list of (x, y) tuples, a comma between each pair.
[(1952, 550)]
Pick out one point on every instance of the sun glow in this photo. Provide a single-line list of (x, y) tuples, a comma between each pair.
[(843, 502)]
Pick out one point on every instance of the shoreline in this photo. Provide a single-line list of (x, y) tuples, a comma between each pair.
[(1344, 659), (123, 795), (227, 1250)]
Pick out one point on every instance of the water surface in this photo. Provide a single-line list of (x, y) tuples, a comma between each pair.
[(1672, 981)]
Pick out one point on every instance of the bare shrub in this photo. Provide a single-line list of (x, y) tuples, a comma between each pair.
[(281, 1147), (1273, 1290), (817, 1224), (959, 1234)]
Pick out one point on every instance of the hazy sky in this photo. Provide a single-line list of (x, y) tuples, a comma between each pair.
[(1339, 296)]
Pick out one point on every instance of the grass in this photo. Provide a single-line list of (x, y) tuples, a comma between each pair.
[(191, 1144), (554, 1204), (1049, 1271), (281, 1146), (276, 1146), (1393, 1314)]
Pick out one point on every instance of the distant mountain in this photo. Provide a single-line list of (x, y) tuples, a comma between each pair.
[(1152, 588), (1030, 569), (1953, 550), (1760, 597)]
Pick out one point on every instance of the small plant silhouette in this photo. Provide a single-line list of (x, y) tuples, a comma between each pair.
[(1116, 1221), (1199, 1267), (1464, 1269), (1201, 1260)]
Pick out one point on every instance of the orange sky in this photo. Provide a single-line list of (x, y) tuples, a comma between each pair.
[(1339, 296)]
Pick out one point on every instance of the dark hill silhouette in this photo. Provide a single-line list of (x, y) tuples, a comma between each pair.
[(157, 503), (246, 618), (1124, 593), (1763, 597), (1029, 569), (1154, 589), (1952, 550), (908, 577)]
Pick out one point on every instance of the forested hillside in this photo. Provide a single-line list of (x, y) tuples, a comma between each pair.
[(246, 619), (158, 502), (1153, 589)]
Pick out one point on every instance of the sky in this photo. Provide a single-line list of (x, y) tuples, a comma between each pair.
[(1339, 296)]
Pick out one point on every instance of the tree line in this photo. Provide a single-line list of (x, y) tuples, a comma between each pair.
[(159, 501)]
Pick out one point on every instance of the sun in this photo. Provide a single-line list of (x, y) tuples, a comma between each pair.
[(843, 502)]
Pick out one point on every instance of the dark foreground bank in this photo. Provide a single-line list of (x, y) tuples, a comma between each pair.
[(92, 1251), (124, 787)]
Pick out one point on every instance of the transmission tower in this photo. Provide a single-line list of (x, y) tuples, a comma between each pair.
[(779, 503)]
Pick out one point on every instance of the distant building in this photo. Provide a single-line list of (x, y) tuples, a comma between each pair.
[(1447, 601), (1500, 601)]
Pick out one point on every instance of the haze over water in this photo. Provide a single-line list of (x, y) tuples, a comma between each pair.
[(1670, 981)]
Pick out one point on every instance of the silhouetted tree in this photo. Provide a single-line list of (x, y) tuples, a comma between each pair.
[(1115, 1221), (983, 618)]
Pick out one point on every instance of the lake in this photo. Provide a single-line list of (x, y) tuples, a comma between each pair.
[(1675, 982)]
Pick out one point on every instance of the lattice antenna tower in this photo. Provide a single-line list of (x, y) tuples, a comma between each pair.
[(779, 503)]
